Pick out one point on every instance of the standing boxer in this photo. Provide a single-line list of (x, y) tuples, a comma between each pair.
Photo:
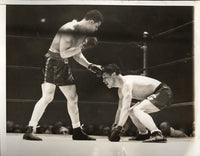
[(152, 95), (69, 41)]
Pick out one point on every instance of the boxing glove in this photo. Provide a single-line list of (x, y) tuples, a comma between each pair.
[(96, 69), (90, 42), (115, 134)]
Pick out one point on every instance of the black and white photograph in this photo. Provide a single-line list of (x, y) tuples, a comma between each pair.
[(93, 79)]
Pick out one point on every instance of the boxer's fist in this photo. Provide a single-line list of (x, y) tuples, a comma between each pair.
[(96, 69), (90, 42), (115, 134)]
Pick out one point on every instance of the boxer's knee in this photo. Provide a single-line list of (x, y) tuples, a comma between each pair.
[(148, 107), (133, 111), (73, 99), (72, 104), (48, 91), (48, 97)]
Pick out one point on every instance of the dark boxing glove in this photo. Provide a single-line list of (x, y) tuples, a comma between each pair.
[(115, 134), (90, 42), (96, 69)]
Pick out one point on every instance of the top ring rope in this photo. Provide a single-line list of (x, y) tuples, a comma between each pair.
[(171, 30), (161, 65), (137, 44)]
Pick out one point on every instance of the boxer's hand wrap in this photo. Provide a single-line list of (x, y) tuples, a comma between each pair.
[(90, 42), (96, 69), (115, 134)]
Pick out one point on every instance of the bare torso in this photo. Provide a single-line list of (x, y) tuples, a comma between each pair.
[(140, 86), (68, 30)]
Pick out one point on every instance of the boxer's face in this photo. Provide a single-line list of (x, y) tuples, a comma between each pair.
[(92, 26), (108, 80)]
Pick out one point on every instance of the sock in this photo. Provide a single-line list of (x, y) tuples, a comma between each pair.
[(76, 125), (37, 113), (141, 133), (156, 131)]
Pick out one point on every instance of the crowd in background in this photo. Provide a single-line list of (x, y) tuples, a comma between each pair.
[(91, 129), (60, 128)]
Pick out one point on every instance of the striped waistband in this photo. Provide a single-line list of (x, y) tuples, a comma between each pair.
[(159, 86)]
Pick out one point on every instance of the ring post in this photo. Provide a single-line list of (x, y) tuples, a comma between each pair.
[(144, 47)]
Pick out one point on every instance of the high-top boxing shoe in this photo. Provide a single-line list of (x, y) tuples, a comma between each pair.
[(78, 134), (29, 135), (156, 137), (140, 137)]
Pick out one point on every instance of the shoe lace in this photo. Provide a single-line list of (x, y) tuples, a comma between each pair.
[(82, 125), (156, 134)]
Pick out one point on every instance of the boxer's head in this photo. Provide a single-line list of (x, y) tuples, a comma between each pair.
[(109, 74), (165, 128), (93, 19), (94, 15)]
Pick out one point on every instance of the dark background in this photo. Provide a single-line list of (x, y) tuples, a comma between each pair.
[(169, 59)]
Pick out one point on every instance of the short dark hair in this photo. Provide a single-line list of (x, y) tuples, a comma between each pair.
[(94, 15), (111, 68)]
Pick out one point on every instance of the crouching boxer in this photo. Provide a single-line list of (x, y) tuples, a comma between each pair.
[(152, 95), (69, 41)]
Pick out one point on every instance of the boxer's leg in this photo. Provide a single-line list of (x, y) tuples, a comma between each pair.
[(72, 106), (48, 91), (141, 112)]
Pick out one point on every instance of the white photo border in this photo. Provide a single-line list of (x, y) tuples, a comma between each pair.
[(196, 4)]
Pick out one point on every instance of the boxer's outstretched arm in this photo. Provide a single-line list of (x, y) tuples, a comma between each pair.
[(117, 113), (119, 108), (126, 102), (80, 58)]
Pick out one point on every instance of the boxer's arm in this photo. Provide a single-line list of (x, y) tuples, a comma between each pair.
[(126, 97), (80, 58), (119, 108), (126, 102), (66, 49)]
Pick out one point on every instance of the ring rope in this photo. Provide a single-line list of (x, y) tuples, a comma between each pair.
[(58, 101), (35, 68), (130, 71), (93, 102), (171, 30), (163, 64), (137, 44)]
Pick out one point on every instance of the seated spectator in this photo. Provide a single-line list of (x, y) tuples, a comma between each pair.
[(169, 131), (91, 129), (17, 128), (41, 129), (99, 130), (70, 129), (106, 131), (63, 130), (9, 126), (49, 129), (59, 128)]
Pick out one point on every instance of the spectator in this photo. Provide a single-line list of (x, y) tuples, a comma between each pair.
[(10, 126), (169, 131)]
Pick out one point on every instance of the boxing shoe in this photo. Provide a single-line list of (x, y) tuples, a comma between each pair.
[(156, 137), (29, 135), (78, 134), (140, 137)]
